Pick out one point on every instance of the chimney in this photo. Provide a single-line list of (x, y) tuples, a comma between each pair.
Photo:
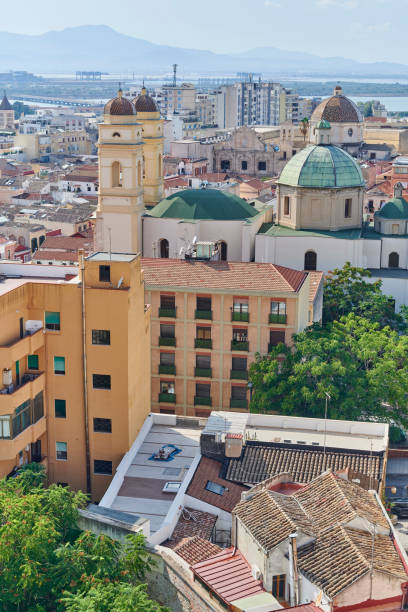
[(293, 570), (233, 445)]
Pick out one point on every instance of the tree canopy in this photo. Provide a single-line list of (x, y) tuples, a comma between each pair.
[(47, 563)]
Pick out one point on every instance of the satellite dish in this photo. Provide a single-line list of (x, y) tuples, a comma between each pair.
[(120, 282), (276, 148), (195, 240)]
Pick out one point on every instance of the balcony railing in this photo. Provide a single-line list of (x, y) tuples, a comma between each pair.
[(167, 341), (239, 316), (167, 312), (238, 403), (203, 372), (239, 374), (203, 343), (24, 380), (165, 368), (31, 411), (277, 318), (237, 345), (167, 398), (203, 314), (202, 401)]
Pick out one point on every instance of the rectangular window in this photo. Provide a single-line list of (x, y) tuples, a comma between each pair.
[(240, 305), (167, 331), (102, 467), (52, 321), (32, 362), (168, 302), (101, 336), (240, 335), (5, 427), (278, 308), (167, 358), (59, 365), (262, 166), (238, 392), (203, 361), (347, 208), (278, 586), (204, 333), (239, 364), (244, 165), (203, 390), (61, 451), (286, 205), (166, 386), (60, 409), (101, 381), (203, 303), (276, 337), (214, 487), (104, 274), (102, 425)]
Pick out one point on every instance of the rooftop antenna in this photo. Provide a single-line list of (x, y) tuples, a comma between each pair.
[(174, 75)]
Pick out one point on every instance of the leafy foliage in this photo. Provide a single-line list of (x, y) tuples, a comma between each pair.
[(47, 563)]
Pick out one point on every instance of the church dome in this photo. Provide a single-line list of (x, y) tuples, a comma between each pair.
[(397, 208), (322, 167), (337, 109), (212, 204), (119, 106), (145, 103)]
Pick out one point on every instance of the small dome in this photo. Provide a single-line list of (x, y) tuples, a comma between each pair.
[(145, 103), (322, 167), (337, 109), (119, 106), (323, 125), (397, 208), (212, 204)]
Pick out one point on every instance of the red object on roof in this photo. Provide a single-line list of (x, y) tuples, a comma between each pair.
[(54, 233), (236, 436), (306, 608), (229, 575)]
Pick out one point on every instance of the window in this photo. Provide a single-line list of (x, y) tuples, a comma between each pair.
[(203, 362), (278, 586), (240, 305), (203, 303), (203, 390), (239, 364), (204, 333), (350, 132), (238, 392), (393, 260), (164, 248), (244, 165), (167, 359), (59, 365), (223, 250), (5, 427), (61, 451), (102, 425), (276, 337), (52, 321), (225, 164), (38, 407), (101, 336), (167, 331), (102, 467), (168, 302), (395, 228), (262, 166), (214, 487), (240, 335), (278, 313), (104, 274), (347, 208), (116, 174), (101, 381), (32, 362), (60, 409), (286, 205), (310, 260), (167, 386)]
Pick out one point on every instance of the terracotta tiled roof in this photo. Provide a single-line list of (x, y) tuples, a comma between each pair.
[(316, 279), (43, 255), (145, 103), (67, 243), (337, 109), (119, 106), (195, 549), (260, 461), (247, 276), (193, 523), (209, 470), (81, 178)]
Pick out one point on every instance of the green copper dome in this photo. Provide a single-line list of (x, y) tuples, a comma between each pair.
[(323, 125), (397, 208), (203, 204), (322, 166)]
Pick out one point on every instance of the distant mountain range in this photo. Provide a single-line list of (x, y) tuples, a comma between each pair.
[(102, 48)]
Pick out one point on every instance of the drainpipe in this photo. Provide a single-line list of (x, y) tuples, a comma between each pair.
[(85, 377), (293, 572)]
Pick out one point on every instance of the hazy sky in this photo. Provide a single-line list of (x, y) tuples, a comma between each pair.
[(367, 30)]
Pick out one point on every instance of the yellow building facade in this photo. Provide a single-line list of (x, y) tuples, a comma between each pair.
[(75, 361)]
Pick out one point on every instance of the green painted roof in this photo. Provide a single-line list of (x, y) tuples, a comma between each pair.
[(204, 204), (324, 124), (286, 232), (322, 166), (397, 208)]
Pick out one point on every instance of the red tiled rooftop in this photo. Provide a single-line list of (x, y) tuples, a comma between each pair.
[(247, 276), (194, 549), (42, 254)]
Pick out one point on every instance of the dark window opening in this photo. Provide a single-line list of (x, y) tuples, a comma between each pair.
[(276, 337), (238, 392), (244, 165), (60, 409), (347, 208), (102, 467), (239, 364), (167, 358), (101, 336), (203, 303), (262, 166), (203, 361), (286, 205), (102, 425), (101, 381), (203, 390), (225, 164), (104, 274), (310, 260), (168, 302), (393, 260), (164, 248)]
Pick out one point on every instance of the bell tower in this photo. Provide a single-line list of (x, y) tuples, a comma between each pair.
[(120, 201), (148, 115)]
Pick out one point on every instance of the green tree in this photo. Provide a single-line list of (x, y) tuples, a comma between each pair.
[(347, 290), (20, 108), (362, 366)]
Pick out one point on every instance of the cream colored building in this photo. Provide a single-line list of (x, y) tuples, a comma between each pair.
[(392, 135)]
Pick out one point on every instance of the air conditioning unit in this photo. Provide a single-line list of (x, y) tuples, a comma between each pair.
[(7, 377), (256, 572)]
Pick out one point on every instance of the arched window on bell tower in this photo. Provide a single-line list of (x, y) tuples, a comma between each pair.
[(144, 168), (116, 174), (139, 173)]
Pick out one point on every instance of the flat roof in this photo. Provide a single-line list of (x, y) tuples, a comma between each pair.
[(9, 284), (105, 256)]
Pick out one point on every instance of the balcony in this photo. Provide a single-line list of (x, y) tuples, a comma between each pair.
[(205, 343), (203, 372), (239, 403), (165, 368), (202, 401), (240, 316), (239, 374), (203, 314), (10, 447), (170, 313), (29, 388), (167, 341), (237, 345), (20, 347), (277, 318), (167, 398)]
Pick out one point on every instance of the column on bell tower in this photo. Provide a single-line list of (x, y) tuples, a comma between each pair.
[(120, 201)]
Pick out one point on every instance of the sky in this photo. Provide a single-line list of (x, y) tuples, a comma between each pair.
[(365, 30)]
